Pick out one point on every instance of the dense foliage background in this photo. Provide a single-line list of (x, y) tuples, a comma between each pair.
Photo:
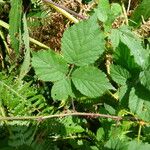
[(75, 74)]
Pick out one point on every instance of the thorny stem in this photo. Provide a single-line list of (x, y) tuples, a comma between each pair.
[(66, 9), (62, 11), (41, 118), (84, 114)]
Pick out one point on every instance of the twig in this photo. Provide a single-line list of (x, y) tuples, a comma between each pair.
[(62, 11), (66, 9), (41, 118)]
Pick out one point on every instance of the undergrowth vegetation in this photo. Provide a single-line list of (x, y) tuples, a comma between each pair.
[(74, 75)]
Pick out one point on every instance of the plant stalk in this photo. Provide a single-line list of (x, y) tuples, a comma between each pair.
[(139, 133)]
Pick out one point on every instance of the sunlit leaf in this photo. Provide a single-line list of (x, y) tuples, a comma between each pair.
[(90, 81), (49, 66), (83, 43)]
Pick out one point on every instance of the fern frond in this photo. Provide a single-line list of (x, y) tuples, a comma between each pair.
[(21, 99), (21, 135)]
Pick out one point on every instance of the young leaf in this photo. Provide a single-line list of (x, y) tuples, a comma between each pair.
[(116, 9), (103, 10), (71, 126), (119, 74), (49, 66), (83, 43), (26, 64), (15, 23), (61, 89), (90, 81), (107, 13), (114, 37), (100, 134)]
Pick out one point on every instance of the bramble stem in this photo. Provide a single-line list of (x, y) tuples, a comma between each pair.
[(66, 9), (62, 11), (41, 118)]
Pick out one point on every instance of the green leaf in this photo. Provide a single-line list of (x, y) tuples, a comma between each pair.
[(103, 10), (100, 134), (114, 37), (61, 89), (15, 16), (71, 126), (145, 78), (139, 102), (49, 66), (135, 103), (116, 143), (119, 75), (110, 109), (107, 13), (26, 63), (90, 81), (142, 10), (116, 9), (123, 58), (134, 44), (83, 43), (134, 145)]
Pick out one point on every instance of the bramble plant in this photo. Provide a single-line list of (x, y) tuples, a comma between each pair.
[(92, 94)]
